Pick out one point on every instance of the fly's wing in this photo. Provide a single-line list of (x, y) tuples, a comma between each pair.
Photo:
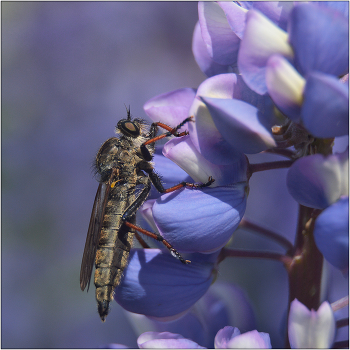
[(93, 234)]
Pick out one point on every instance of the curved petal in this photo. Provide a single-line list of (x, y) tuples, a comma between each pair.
[(231, 338), (317, 181), (171, 107), (236, 16), (165, 340), (224, 336), (156, 284), (225, 304), (285, 86), (325, 111), (276, 11), (320, 38), (261, 39), (207, 138), (239, 124), (190, 326), (170, 173), (185, 155), (202, 57), (310, 329), (208, 216), (204, 134), (332, 233), (222, 43), (340, 6)]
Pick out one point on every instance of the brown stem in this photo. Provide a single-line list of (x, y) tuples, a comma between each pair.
[(281, 152), (305, 271), (337, 305), (276, 237), (342, 322), (253, 168), (234, 253)]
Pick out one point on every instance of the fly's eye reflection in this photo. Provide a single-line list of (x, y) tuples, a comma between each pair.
[(113, 221), (129, 128)]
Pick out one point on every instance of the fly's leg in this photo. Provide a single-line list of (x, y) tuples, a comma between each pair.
[(133, 209), (171, 131), (141, 241), (154, 177), (158, 237)]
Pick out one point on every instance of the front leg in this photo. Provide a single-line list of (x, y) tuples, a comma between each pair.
[(171, 131)]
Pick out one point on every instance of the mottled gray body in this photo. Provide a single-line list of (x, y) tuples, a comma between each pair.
[(119, 162), (115, 238)]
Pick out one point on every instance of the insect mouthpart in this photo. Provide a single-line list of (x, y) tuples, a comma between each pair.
[(128, 128)]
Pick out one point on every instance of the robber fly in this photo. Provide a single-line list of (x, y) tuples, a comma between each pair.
[(123, 164)]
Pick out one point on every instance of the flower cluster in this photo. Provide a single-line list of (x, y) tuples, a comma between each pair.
[(277, 82)]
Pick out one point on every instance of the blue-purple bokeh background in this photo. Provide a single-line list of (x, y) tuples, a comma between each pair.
[(68, 68)]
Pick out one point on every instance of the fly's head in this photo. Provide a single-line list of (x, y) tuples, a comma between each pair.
[(129, 128)]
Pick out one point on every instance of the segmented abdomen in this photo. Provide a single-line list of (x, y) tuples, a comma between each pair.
[(113, 249)]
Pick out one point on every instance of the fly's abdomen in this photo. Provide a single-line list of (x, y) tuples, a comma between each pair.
[(112, 255)]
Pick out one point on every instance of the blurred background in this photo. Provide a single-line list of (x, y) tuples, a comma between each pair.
[(68, 69)]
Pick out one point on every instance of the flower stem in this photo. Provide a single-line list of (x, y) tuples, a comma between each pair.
[(276, 237), (344, 322), (281, 152), (253, 168), (233, 253), (305, 271), (343, 302)]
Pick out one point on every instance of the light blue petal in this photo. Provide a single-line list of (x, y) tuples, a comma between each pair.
[(310, 329), (276, 11), (261, 39), (204, 134), (202, 57), (240, 125), (156, 284), (222, 43), (320, 38), (325, 111), (194, 220), (170, 173), (236, 16), (171, 107), (285, 86), (340, 6), (317, 181), (185, 155), (332, 233), (165, 340)]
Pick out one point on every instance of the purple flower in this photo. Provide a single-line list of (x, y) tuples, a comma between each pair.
[(318, 181), (300, 69), (156, 284), (231, 338), (310, 329), (223, 304), (208, 216), (332, 234), (151, 340), (218, 34)]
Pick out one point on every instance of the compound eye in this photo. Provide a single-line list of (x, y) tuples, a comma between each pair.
[(129, 128)]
